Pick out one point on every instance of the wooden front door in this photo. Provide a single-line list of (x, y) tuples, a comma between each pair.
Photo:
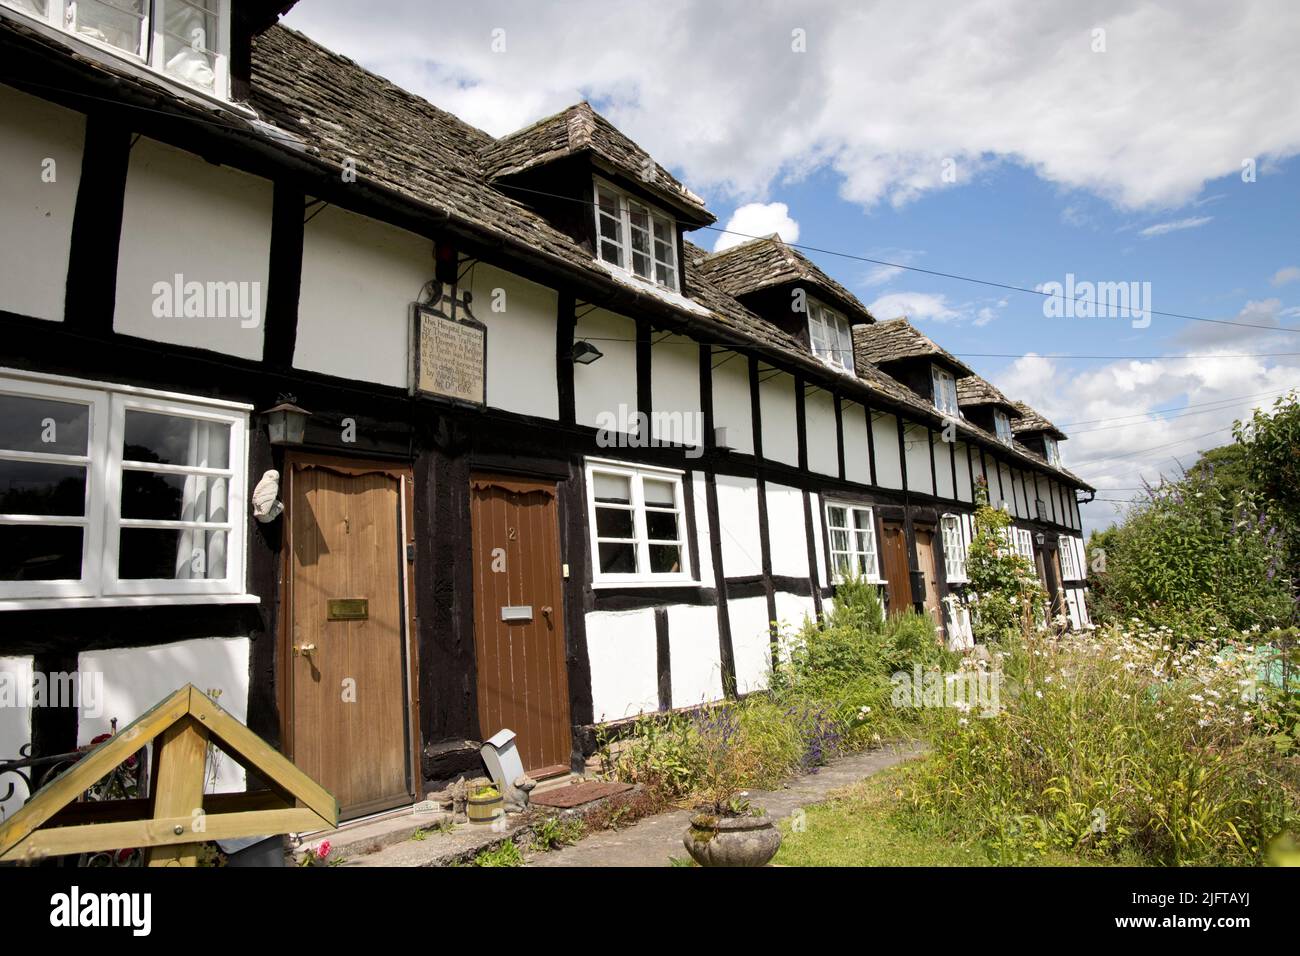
[(347, 628), (518, 619), (895, 566), (925, 558)]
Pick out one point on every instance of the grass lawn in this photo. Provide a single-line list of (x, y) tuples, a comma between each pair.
[(861, 826)]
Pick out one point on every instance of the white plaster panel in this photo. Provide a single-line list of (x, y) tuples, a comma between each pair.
[(857, 450), (884, 431), (520, 316), (818, 515), (15, 721), (779, 419), (698, 489), (209, 224), (610, 381), (359, 278), (787, 533), (916, 442), (964, 490), (623, 651), (693, 654), (675, 390), (823, 441), (136, 678), (750, 642), (40, 152), (732, 407), (742, 551), (943, 468)]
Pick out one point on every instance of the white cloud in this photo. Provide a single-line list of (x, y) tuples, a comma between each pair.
[(1286, 274), (884, 95), (1176, 225), (914, 305), (757, 219)]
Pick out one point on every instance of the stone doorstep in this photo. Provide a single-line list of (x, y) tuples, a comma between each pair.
[(371, 835)]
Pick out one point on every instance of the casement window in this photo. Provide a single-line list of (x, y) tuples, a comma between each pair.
[(111, 494), (852, 533), (185, 40), (1051, 452), (1071, 551), (1002, 422), (829, 335), (635, 237), (954, 548), (637, 517), (945, 391), (1024, 541)]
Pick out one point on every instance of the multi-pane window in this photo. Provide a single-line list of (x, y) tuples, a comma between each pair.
[(954, 548), (106, 493), (635, 237), (1024, 544), (1069, 560), (945, 390), (184, 39), (638, 524), (1003, 425), (852, 533), (829, 335), (1050, 451)]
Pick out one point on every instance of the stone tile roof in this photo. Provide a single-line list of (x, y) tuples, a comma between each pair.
[(1030, 421), (896, 339), (580, 129), (769, 261), (973, 391)]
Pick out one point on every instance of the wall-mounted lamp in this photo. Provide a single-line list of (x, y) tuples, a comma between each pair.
[(584, 353), (286, 423), (1040, 538)]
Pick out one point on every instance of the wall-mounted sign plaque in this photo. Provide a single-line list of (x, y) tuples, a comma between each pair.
[(449, 352)]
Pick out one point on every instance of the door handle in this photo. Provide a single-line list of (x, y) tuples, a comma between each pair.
[(305, 650), (546, 612)]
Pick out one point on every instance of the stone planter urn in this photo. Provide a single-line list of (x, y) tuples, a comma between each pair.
[(746, 840)]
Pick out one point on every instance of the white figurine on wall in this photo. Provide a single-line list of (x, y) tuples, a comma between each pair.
[(266, 504)]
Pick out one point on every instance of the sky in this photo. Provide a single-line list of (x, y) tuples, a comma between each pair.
[(1020, 142)]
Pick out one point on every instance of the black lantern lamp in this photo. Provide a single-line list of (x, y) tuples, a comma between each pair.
[(286, 423), (584, 353)]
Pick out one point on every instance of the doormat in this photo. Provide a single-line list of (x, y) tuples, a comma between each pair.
[(564, 798)]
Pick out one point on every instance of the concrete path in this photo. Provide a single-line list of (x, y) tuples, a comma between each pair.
[(652, 840)]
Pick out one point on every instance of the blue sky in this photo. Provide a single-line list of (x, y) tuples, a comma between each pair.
[(1106, 142)]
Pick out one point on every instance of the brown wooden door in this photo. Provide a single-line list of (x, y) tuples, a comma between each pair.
[(518, 619), (347, 629), (925, 558), (896, 567)]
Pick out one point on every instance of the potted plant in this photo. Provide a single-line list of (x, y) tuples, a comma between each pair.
[(727, 830), (484, 805)]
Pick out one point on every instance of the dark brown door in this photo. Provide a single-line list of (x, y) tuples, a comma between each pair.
[(925, 558), (347, 631), (518, 619), (895, 566)]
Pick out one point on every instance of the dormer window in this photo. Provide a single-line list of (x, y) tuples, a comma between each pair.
[(829, 334), (945, 391), (635, 237), (185, 40), (1051, 452), (1002, 422)]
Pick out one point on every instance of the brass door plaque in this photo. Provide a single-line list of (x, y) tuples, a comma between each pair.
[(349, 609)]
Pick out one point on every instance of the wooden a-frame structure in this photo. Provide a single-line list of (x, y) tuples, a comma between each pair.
[(177, 815)]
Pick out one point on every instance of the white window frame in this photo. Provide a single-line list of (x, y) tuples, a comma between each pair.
[(944, 387), (835, 335), (1024, 543), (1071, 551), (1002, 426), (99, 583), (641, 541), (60, 16), (626, 202), (952, 530), (1051, 451), (864, 519)]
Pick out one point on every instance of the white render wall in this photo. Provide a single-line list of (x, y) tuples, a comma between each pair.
[(136, 678), (819, 422), (36, 228), (943, 477), (15, 724), (857, 451), (964, 490), (520, 341), (889, 471), (742, 552), (183, 215), (750, 642), (359, 279), (916, 443), (675, 389), (779, 418), (787, 532), (610, 381), (693, 655), (623, 651), (699, 492), (732, 406)]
